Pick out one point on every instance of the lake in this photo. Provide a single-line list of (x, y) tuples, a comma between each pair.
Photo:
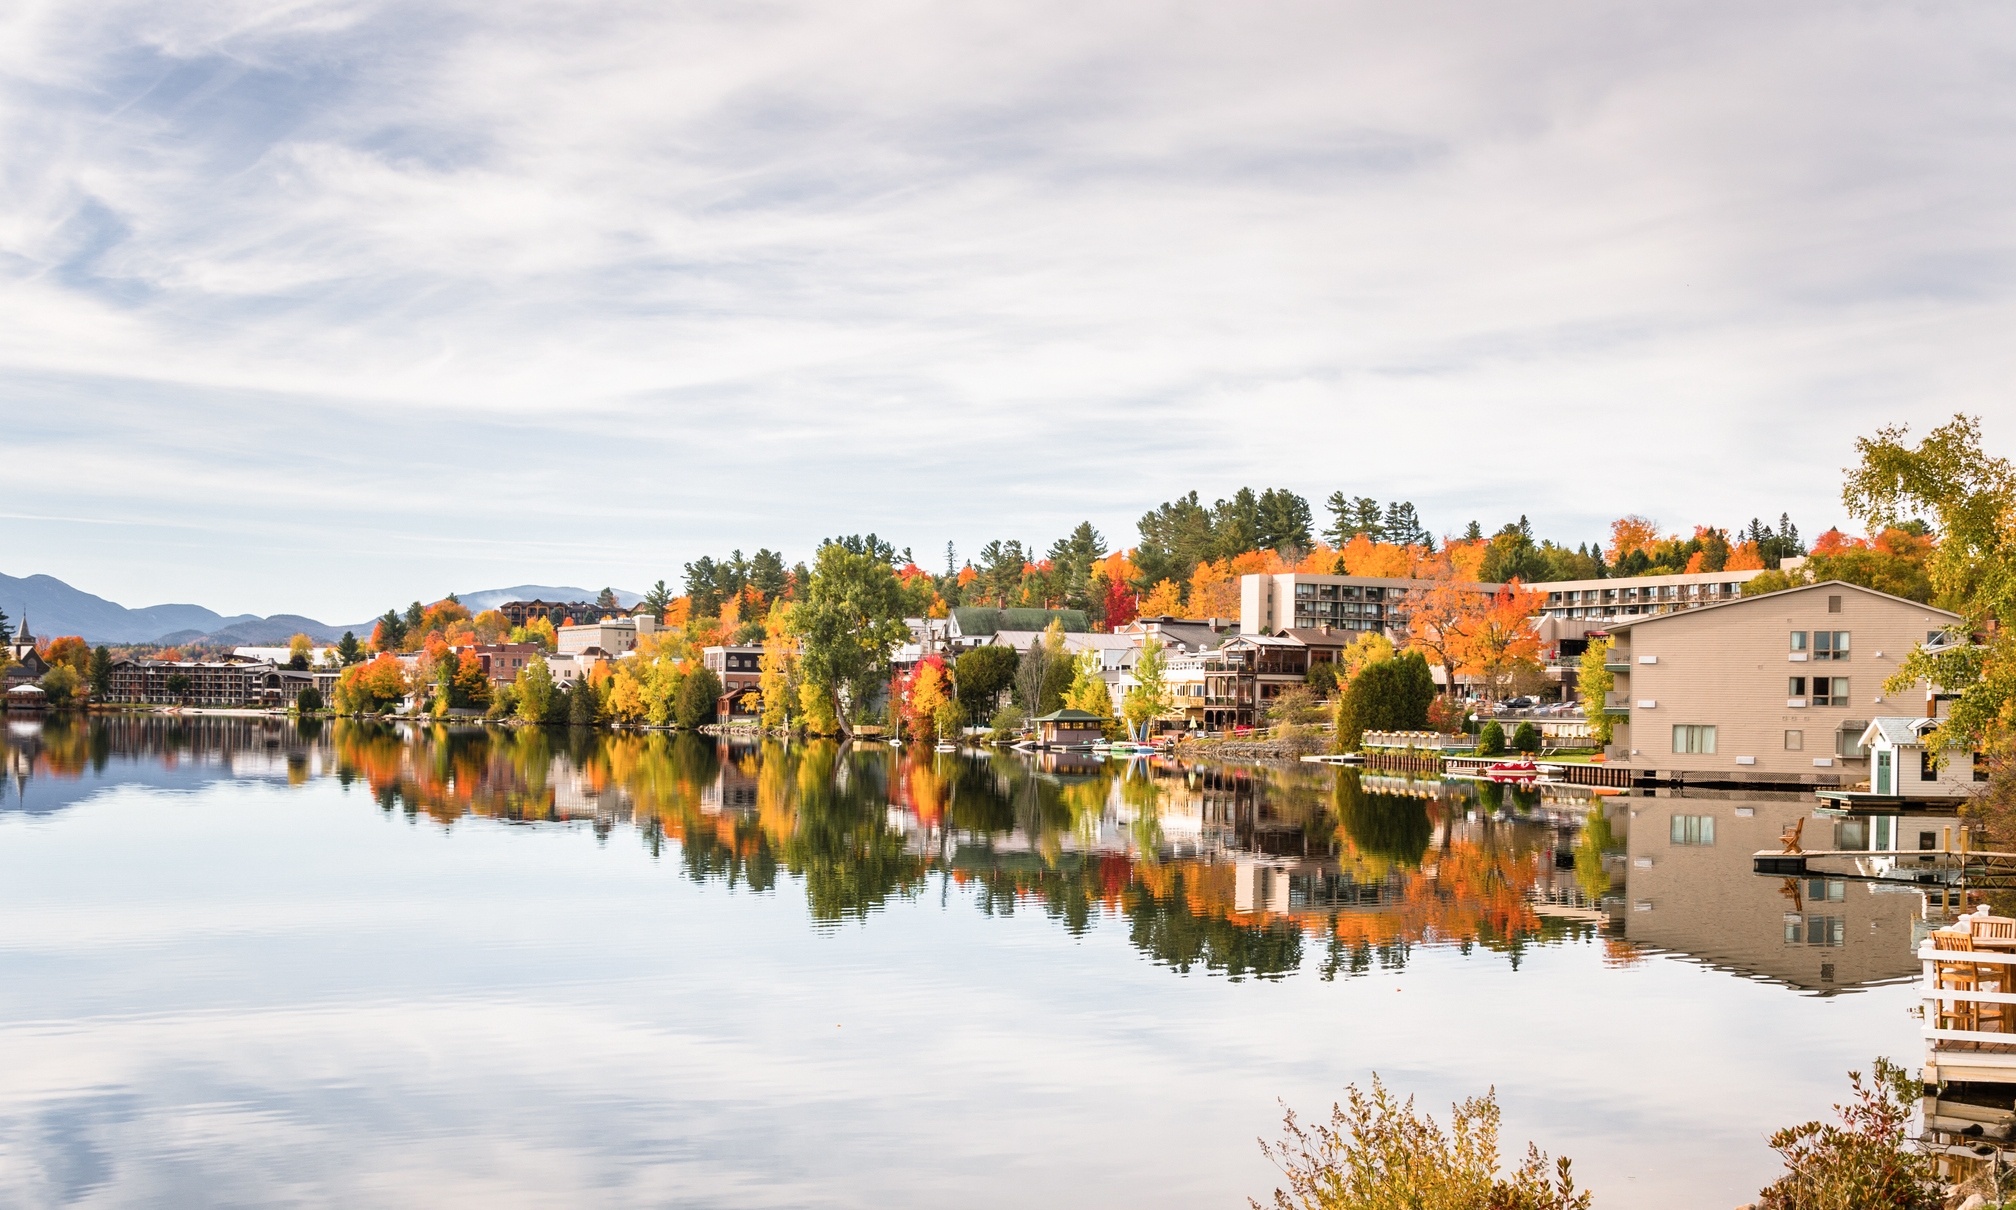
[(250, 962)]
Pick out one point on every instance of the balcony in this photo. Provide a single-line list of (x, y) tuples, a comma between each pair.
[(1613, 664)]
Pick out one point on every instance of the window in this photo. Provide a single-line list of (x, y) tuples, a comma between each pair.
[(1980, 766), (1795, 741), (1833, 604), (1825, 890), (1798, 640), (1830, 690), (1830, 644), (1848, 739), (1693, 829), (1830, 931), (1695, 739), (1795, 689), (1928, 769)]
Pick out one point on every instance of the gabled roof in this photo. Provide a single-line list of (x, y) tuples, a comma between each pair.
[(1898, 732), (1611, 626), (1067, 716)]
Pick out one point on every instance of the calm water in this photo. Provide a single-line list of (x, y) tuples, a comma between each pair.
[(250, 964)]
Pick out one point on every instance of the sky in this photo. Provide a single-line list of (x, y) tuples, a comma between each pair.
[(320, 307)]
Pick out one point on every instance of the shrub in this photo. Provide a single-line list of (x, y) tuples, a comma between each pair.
[(309, 700), (1526, 738), (1006, 723), (1862, 1163), (1376, 1153), (1491, 740)]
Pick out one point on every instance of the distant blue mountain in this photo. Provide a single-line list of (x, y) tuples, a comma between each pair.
[(54, 608)]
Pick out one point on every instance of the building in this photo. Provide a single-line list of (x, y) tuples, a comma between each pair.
[(25, 664), (1271, 603), (205, 682), (1180, 634), (972, 625), (521, 612), (1777, 688), (1902, 763), (741, 673), (1068, 728), (611, 636), (1634, 596), (502, 662)]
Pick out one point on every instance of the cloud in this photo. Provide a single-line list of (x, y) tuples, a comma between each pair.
[(632, 283)]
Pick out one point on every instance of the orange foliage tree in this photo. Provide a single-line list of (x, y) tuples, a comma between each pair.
[(1165, 600), (1628, 534), (1493, 635)]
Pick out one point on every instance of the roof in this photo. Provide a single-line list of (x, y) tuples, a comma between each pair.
[(1266, 640), (1313, 636), (984, 620), (1090, 640), (1626, 623), (25, 690), (1067, 716), (1899, 732)]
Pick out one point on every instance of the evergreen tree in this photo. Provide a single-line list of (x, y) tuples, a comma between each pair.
[(1475, 533), (606, 599), (1285, 521), (658, 599), (350, 651), (6, 628), (101, 672)]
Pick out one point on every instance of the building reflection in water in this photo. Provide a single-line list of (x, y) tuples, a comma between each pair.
[(1691, 892), (1244, 871)]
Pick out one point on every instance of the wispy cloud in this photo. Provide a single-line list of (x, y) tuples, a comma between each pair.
[(640, 282)]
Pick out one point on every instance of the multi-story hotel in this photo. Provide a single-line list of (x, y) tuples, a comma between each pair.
[(1778, 687), (1634, 596), (1271, 604)]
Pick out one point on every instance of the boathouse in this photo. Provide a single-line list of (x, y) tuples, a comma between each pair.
[(1068, 728), (1902, 762)]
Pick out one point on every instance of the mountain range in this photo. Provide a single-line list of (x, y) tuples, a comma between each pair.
[(53, 608)]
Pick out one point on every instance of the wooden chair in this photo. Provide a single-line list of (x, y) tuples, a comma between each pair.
[(1789, 838), (1992, 928), (1954, 974)]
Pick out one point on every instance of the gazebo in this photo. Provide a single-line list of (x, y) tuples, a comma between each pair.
[(27, 697)]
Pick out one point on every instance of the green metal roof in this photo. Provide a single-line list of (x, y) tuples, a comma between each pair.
[(985, 620), (1067, 716)]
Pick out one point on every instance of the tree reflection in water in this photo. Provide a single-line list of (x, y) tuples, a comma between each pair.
[(1233, 870)]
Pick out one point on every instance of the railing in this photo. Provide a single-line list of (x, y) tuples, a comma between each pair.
[(1934, 994)]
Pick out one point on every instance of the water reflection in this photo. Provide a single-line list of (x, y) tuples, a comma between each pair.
[(1237, 871)]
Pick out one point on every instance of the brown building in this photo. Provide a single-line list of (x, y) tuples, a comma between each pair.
[(741, 671), (521, 612), (502, 662), (1773, 688), (205, 683)]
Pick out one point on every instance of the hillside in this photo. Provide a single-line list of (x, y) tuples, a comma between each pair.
[(55, 608)]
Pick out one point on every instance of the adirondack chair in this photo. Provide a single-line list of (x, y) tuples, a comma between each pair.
[(1955, 974), (1789, 838)]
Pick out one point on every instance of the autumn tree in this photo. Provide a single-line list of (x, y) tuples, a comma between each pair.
[(779, 666), (921, 696), (1971, 497), (369, 688), (1593, 682), (535, 692), (1088, 691), (849, 622), (1147, 699), (1495, 634), (1165, 600), (298, 649)]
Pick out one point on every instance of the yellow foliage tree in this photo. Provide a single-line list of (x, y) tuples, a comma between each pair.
[(1214, 590), (1165, 600), (1088, 690)]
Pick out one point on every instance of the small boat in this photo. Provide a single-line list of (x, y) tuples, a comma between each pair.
[(1513, 770), (946, 748), (895, 743)]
